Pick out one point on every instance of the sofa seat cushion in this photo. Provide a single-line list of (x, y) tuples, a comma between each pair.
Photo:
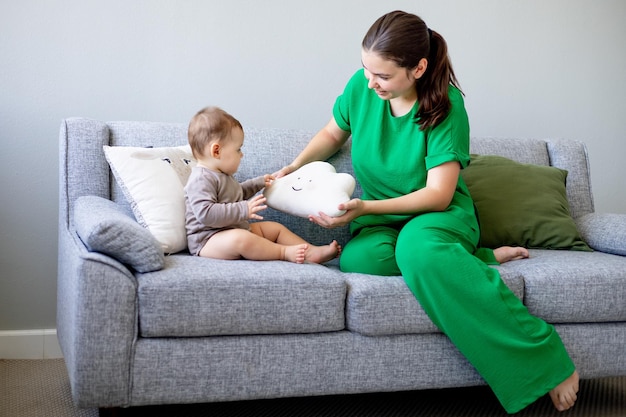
[(381, 306), (193, 296), (572, 286)]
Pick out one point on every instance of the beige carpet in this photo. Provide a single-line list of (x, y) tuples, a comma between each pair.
[(37, 388), (40, 388)]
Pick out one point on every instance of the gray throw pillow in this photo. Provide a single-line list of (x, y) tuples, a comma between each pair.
[(104, 227)]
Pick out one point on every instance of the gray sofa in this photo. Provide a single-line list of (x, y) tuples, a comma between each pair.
[(201, 330)]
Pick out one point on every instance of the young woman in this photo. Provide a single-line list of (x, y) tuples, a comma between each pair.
[(410, 139)]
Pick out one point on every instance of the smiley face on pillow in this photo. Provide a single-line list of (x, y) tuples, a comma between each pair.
[(315, 187)]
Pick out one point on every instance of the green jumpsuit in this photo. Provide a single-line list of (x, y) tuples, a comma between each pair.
[(520, 356)]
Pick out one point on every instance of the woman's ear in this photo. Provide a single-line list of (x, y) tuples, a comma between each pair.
[(420, 69)]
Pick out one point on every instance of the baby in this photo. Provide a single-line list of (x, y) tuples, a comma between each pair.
[(218, 207)]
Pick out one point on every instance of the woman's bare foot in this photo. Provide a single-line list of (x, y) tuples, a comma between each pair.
[(295, 253), (564, 395), (510, 253), (321, 254)]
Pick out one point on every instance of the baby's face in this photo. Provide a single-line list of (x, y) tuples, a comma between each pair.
[(225, 155), (230, 153)]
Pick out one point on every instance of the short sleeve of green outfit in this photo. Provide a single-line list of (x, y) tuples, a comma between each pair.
[(391, 155)]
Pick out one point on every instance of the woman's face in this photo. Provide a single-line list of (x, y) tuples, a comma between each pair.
[(388, 79)]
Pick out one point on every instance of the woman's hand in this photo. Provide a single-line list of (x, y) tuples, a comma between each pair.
[(354, 208), (256, 204), (321, 147), (284, 171)]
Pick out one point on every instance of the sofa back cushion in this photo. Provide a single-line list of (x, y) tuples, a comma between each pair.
[(85, 171)]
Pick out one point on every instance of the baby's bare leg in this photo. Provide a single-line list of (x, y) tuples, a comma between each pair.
[(282, 235), (277, 233), (321, 254), (240, 243)]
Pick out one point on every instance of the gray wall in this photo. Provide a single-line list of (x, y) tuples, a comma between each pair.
[(532, 68)]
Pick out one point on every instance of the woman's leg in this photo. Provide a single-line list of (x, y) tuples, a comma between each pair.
[(520, 356), (372, 251)]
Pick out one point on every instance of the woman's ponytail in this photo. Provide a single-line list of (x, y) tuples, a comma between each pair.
[(432, 87)]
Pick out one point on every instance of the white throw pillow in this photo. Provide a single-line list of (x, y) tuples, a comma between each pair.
[(152, 180)]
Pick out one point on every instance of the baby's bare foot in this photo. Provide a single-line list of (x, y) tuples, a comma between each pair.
[(564, 395), (321, 254), (510, 253), (295, 253)]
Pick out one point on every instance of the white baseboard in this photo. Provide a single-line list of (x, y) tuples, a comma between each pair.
[(29, 344)]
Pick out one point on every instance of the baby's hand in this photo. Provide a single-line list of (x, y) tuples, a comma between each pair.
[(256, 204), (269, 179)]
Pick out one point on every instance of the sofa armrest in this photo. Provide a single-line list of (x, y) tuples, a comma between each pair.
[(604, 232), (97, 322), (104, 228)]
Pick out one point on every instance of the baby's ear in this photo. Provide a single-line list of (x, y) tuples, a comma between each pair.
[(215, 150)]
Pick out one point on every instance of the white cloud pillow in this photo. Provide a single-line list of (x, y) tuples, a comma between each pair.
[(152, 180), (315, 187)]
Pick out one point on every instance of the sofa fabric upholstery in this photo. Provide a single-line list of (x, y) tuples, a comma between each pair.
[(253, 298), (200, 330)]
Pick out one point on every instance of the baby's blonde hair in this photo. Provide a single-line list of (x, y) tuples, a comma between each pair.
[(209, 124)]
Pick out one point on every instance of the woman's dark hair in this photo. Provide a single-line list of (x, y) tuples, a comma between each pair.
[(405, 39)]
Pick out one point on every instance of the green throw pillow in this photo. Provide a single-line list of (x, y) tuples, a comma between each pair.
[(521, 204)]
